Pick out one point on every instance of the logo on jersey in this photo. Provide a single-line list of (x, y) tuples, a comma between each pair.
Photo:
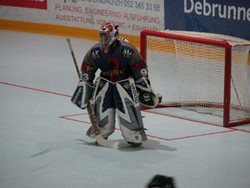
[(95, 54), (127, 53)]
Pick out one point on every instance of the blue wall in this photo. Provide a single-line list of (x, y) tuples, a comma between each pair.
[(230, 17)]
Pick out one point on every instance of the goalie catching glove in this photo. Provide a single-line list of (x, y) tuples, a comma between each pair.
[(147, 97), (83, 93)]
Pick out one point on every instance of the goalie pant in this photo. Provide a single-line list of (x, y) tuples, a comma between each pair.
[(119, 98)]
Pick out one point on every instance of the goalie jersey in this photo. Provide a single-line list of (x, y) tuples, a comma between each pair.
[(121, 62)]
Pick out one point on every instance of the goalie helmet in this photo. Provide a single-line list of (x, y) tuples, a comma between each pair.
[(108, 35)]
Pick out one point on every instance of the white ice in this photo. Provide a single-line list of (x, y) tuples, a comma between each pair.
[(42, 133)]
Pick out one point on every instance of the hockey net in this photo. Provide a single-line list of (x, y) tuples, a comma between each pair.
[(202, 72)]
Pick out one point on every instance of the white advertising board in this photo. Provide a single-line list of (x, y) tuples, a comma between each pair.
[(131, 15)]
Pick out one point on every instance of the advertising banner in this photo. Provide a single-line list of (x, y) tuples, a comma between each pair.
[(227, 17), (131, 15), (37, 4)]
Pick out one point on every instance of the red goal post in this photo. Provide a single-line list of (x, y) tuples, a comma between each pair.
[(202, 72)]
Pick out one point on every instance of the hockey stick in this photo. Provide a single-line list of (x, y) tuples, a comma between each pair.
[(74, 58), (99, 139)]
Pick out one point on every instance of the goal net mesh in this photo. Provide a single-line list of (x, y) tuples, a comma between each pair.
[(191, 74)]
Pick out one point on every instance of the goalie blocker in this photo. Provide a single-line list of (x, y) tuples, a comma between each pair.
[(82, 94)]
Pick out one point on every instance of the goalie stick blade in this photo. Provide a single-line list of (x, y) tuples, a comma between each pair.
[(107, 143)]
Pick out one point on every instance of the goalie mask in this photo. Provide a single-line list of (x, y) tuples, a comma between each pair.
[(108, 35)]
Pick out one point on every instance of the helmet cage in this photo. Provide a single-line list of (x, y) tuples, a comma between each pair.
[(108, 35)]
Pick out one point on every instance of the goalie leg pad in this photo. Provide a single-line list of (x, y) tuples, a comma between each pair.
[(105, 130), (82, 94), (133, 136), (147, 97), (106, 125), (128, 111), (104, 108)]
